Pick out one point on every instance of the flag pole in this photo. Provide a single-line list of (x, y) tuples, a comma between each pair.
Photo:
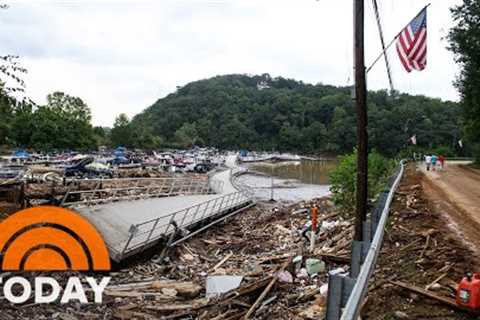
[(382, 41), (391, 42)]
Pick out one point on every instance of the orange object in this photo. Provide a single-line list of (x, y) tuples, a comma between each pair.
[(49, 238), (468, 292), (314, 218)]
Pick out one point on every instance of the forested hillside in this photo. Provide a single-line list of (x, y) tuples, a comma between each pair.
[(264, 113)]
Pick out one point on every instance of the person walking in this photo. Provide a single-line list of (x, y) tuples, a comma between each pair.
[(428, 161), (434, 161), (441, 159)]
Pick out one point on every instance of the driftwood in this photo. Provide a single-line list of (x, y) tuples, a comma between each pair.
[(195, 304), (444, 300), (435, 281), (266, 291), (308, 295), (228, 256), (188, 289)]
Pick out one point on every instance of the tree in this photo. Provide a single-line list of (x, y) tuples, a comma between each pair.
[(73, 119), (22, 126), (263, 113), (464, 39), (187, 135), (343, 179), (6, 113), (100, 136), (122, 133), (63, 123)]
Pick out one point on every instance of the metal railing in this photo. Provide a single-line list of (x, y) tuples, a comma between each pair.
[(348, 292), (235, 173), (108, 190), (150, 231)]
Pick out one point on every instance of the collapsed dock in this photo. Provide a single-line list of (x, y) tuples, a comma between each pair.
[(132, 226)]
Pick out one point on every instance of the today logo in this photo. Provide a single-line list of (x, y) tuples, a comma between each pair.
[(49, 238)]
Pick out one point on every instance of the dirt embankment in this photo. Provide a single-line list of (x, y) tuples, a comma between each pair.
[(420, 248)]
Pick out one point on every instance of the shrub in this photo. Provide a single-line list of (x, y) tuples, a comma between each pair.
[(443, 150), (343, 179)]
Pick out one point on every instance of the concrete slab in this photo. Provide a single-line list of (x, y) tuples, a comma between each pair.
[(114, 220), (152, 217)]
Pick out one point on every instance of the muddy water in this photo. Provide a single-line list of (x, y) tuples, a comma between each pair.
[(292, 181)]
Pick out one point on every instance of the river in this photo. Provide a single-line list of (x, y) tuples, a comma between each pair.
[(292, 181)]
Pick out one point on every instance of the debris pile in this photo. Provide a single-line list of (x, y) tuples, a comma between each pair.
[(421, 260), (255, 265)]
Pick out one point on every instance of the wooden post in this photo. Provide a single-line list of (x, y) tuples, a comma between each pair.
[(314, 213), (361, 109)]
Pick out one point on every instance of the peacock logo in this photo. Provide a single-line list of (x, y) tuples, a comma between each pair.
[(49, 238)]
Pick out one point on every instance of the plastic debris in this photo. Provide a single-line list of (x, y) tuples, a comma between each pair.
[(337, 271), (220, 284), (285, 276), (302, 274), (324, 289), (315, 266)]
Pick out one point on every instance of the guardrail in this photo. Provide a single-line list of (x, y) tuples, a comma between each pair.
[(235, 173), (150, 231), (347, 292), (107, 190), (165, 227)]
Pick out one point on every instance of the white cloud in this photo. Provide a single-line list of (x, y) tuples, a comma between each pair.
[(120, 56)]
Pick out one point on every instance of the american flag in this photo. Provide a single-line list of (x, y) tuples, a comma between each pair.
[(412, 43), (413, 139)]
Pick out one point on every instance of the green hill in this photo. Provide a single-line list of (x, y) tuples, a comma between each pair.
[(264, 113)]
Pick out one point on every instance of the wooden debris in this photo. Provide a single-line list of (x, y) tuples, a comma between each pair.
[(221, 262), (266, 291), (195, 304), (430, 285), (188, 289), (444, 300)]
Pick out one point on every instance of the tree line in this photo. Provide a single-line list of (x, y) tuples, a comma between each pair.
[(261, 113), (464, 39), (64, 123), (240, 112), (264, 113)]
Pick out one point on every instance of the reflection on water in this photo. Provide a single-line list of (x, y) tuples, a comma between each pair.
[(294, 181), (305, 171)]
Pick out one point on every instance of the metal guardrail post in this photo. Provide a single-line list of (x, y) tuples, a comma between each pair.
[(62, 203), (221, 204), (339, 288), (196, 212), (133, 230), (349, 291), (151, 231), (184, 217), (353, 305), (207, 204)]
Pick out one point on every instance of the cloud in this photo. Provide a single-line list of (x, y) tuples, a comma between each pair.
[(121, 56)]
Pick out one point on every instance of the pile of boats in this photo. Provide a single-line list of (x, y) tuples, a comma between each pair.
[(270, 157), (106, 164)]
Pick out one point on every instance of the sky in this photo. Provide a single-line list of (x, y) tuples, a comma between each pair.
[(120, 56)]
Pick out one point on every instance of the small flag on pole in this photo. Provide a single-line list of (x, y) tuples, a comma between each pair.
[(412, 43), (414, 139)]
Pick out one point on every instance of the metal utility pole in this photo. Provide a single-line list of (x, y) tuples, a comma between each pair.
[(361, 109)]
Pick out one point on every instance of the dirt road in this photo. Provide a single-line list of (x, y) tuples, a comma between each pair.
[(455, 193), (418, 249)]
